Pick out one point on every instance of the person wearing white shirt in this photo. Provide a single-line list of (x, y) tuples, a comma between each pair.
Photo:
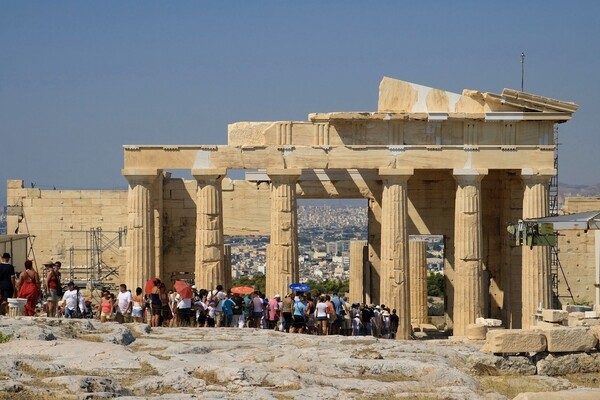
[(124, 304), (72, 298)]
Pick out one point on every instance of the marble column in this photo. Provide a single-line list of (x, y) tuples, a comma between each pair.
[(282, 262), (535, 265), (227, 276), (357, 270), (417, 257), (140, 251), (469, 298), (394, 284), (209, 266)]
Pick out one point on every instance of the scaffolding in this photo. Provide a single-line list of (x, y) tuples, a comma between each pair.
[(87, 265), (554, 206)]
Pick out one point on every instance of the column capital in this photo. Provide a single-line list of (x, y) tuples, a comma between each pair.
[(209, 173), (470, 172), (533, 175), (140, 174), (396, 172)]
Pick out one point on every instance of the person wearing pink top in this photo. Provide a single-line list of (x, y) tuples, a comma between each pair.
[(274, 311)]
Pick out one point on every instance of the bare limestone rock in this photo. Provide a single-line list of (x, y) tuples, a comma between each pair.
[(563, 364), (576, 394), (491, 365), (514, 341), (569, 339)]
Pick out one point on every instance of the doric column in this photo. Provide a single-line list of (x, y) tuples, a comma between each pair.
[(468, 275), (535, 265), (357, 270), (227, 278), (394, 283), (282, 262), (210, 266), (140, 259), (417, 257)]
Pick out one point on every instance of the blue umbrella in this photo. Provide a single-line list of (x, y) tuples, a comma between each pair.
[(300, 287)]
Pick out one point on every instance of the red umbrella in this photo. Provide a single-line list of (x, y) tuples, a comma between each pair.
[(242, 290), (150, 285), (184, 289)]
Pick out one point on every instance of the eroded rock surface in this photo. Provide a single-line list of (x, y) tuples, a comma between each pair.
[(87, 359)]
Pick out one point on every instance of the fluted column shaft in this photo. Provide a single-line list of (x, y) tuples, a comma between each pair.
[(417, 256), (394, 285), (468, 276), (282, 254), (209, 266), (227, 277), (140, 260), (535, 264), (357, 270)]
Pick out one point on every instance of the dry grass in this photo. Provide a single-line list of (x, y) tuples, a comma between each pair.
[(288, 388), (585, 380), (209, 376), (160, 356), (38, 373), (395, 377), (145, 370), (510, 386), (91, 338)]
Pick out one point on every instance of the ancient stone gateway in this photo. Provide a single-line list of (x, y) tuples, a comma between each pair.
[(428, 161)]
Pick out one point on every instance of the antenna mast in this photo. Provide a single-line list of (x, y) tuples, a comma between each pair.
[(522, 69)]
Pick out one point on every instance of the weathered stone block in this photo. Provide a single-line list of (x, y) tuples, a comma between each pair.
[(514, 341), (590, 314), (554, 315), (476, 332), (570, 339)]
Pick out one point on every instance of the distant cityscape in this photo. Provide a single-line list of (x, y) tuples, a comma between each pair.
[(324, 235)]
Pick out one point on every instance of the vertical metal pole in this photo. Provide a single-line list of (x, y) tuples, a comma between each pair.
[(522, 69)]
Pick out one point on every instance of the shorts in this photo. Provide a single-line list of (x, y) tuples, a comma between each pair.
[(52, 295), (256, 315), (299, 321), (137, 313), (106, 315)]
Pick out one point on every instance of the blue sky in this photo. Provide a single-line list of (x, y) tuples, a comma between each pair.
[(80, 79)]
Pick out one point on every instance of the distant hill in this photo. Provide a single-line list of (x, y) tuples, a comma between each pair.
[(567, 190)]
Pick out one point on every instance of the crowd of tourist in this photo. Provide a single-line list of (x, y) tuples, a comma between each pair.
[(294, 312)]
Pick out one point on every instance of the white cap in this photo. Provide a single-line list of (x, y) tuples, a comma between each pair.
[(277, 296)]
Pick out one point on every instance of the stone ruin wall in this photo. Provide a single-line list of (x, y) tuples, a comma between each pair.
[(576, 254), (59, 219)]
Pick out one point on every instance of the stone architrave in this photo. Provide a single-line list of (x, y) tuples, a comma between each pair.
[(468, 275), (417, 257), (210, 265), (395, 284), (282, 264), (357, 270), (140, 259), (536, 260)]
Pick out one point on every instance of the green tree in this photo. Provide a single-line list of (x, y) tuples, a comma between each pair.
[(258, 282), (435, 285)]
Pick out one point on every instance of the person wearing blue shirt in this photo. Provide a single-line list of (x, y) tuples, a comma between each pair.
[(227, 307)]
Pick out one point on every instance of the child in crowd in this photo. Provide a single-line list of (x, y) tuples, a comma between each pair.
[(356, 325), (210, 319)]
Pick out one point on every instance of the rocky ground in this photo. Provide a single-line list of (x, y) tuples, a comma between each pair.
[(57, 358)]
